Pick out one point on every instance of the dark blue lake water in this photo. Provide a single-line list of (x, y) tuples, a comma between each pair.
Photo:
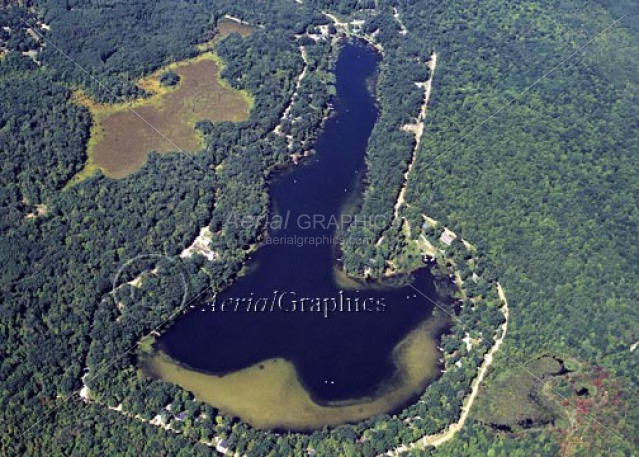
[(348, 354)]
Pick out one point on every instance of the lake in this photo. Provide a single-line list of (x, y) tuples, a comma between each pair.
[(293, 344)]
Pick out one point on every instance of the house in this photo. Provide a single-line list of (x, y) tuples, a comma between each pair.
[(222, 447), (447, 237)]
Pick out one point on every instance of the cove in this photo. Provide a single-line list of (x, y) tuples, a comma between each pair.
[(288, 363)]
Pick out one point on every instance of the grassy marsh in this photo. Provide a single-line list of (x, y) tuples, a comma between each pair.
[(123, 134)]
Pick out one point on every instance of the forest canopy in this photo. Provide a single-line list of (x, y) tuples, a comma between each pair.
[(528, 151)]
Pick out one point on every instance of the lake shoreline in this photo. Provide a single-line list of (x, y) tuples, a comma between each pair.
[(296, 401), (355, 360)]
